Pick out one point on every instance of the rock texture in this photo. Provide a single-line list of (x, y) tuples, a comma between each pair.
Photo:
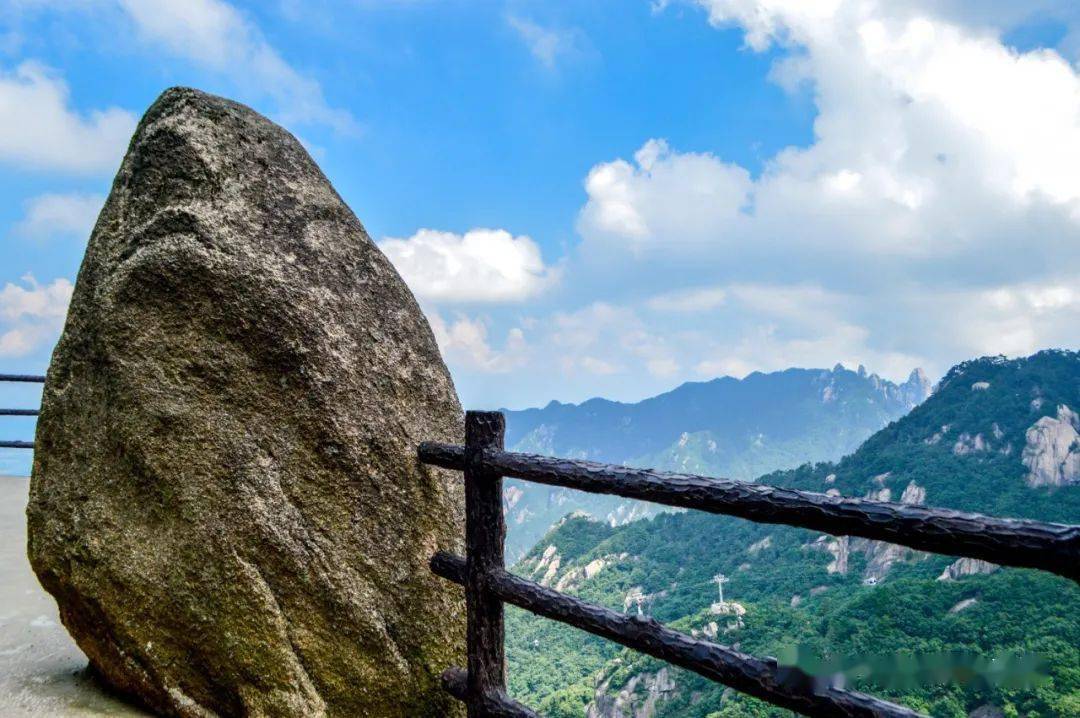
[(641, 697), (966, 567), (1052, 451), (226, 502), (880, 556)]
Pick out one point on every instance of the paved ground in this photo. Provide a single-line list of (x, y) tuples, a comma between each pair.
[(42, 672)]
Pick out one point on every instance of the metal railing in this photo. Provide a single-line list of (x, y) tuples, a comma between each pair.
[(488, 585), (22, 378)]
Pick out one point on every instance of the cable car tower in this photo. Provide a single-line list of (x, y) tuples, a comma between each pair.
[(720, 579)]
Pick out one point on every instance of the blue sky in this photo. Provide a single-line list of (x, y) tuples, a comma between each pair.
[(605, 197)]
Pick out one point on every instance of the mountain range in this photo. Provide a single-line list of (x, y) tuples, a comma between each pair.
[(997, 436), (736, 428)]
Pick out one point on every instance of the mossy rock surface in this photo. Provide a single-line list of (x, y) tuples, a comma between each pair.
[(226, 502)]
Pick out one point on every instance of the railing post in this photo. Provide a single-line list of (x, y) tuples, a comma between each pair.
[(485, 530)]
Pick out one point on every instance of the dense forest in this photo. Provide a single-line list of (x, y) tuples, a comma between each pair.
[(945, 638)]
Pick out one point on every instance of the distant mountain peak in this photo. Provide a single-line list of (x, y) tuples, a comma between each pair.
[(737, 428), (918, 387), (998, 436)]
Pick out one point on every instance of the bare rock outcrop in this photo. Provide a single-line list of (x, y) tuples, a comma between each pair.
[(1052, 451), (226, 502), (572, 580), (545, 568), (642, 695), (839, 547), (968, 444), (966, 567), (880, 556)]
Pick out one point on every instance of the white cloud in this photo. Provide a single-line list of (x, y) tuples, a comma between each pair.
[(933, 140), (1013, 319), (31, 315), (215, 35), (40, 130), (482, 265), (602, 339), (49, 215), (663, 198), (696, 299), (923, 118), (464, 341), (548, 45), (627, 351), (769, 327), (809, 305), (35, 301), (594, 365), (934, 217)]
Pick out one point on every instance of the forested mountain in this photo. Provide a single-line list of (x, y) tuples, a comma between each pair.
[(725, 427), (998, 436)]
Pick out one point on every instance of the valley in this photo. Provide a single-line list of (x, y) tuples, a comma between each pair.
[(993, 438)]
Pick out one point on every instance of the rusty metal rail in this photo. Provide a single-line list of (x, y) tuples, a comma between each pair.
[(1013, 542), (24, 378)]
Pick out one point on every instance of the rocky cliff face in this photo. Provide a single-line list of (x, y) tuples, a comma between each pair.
[(1052, 452), (842, 592), (880, 556), (639, 698), (225, 501), (966, 567)]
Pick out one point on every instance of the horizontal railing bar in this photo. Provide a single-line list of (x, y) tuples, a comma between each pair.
[(23, 377), (19, 412), (16, 445), (761, 678), (1013, 542), (495, 703)]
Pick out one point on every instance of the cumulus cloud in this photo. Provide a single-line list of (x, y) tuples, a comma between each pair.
[(1012, 319), (464, 341), (935, 215), (640, 348), (51, 215), (31, 315), (40, 130), (932, 138), (663, 196), (482, 265)]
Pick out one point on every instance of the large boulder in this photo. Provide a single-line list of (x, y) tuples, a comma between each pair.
[(226, 501)]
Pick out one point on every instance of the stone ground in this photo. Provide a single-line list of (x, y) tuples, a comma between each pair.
[(42, 672)]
